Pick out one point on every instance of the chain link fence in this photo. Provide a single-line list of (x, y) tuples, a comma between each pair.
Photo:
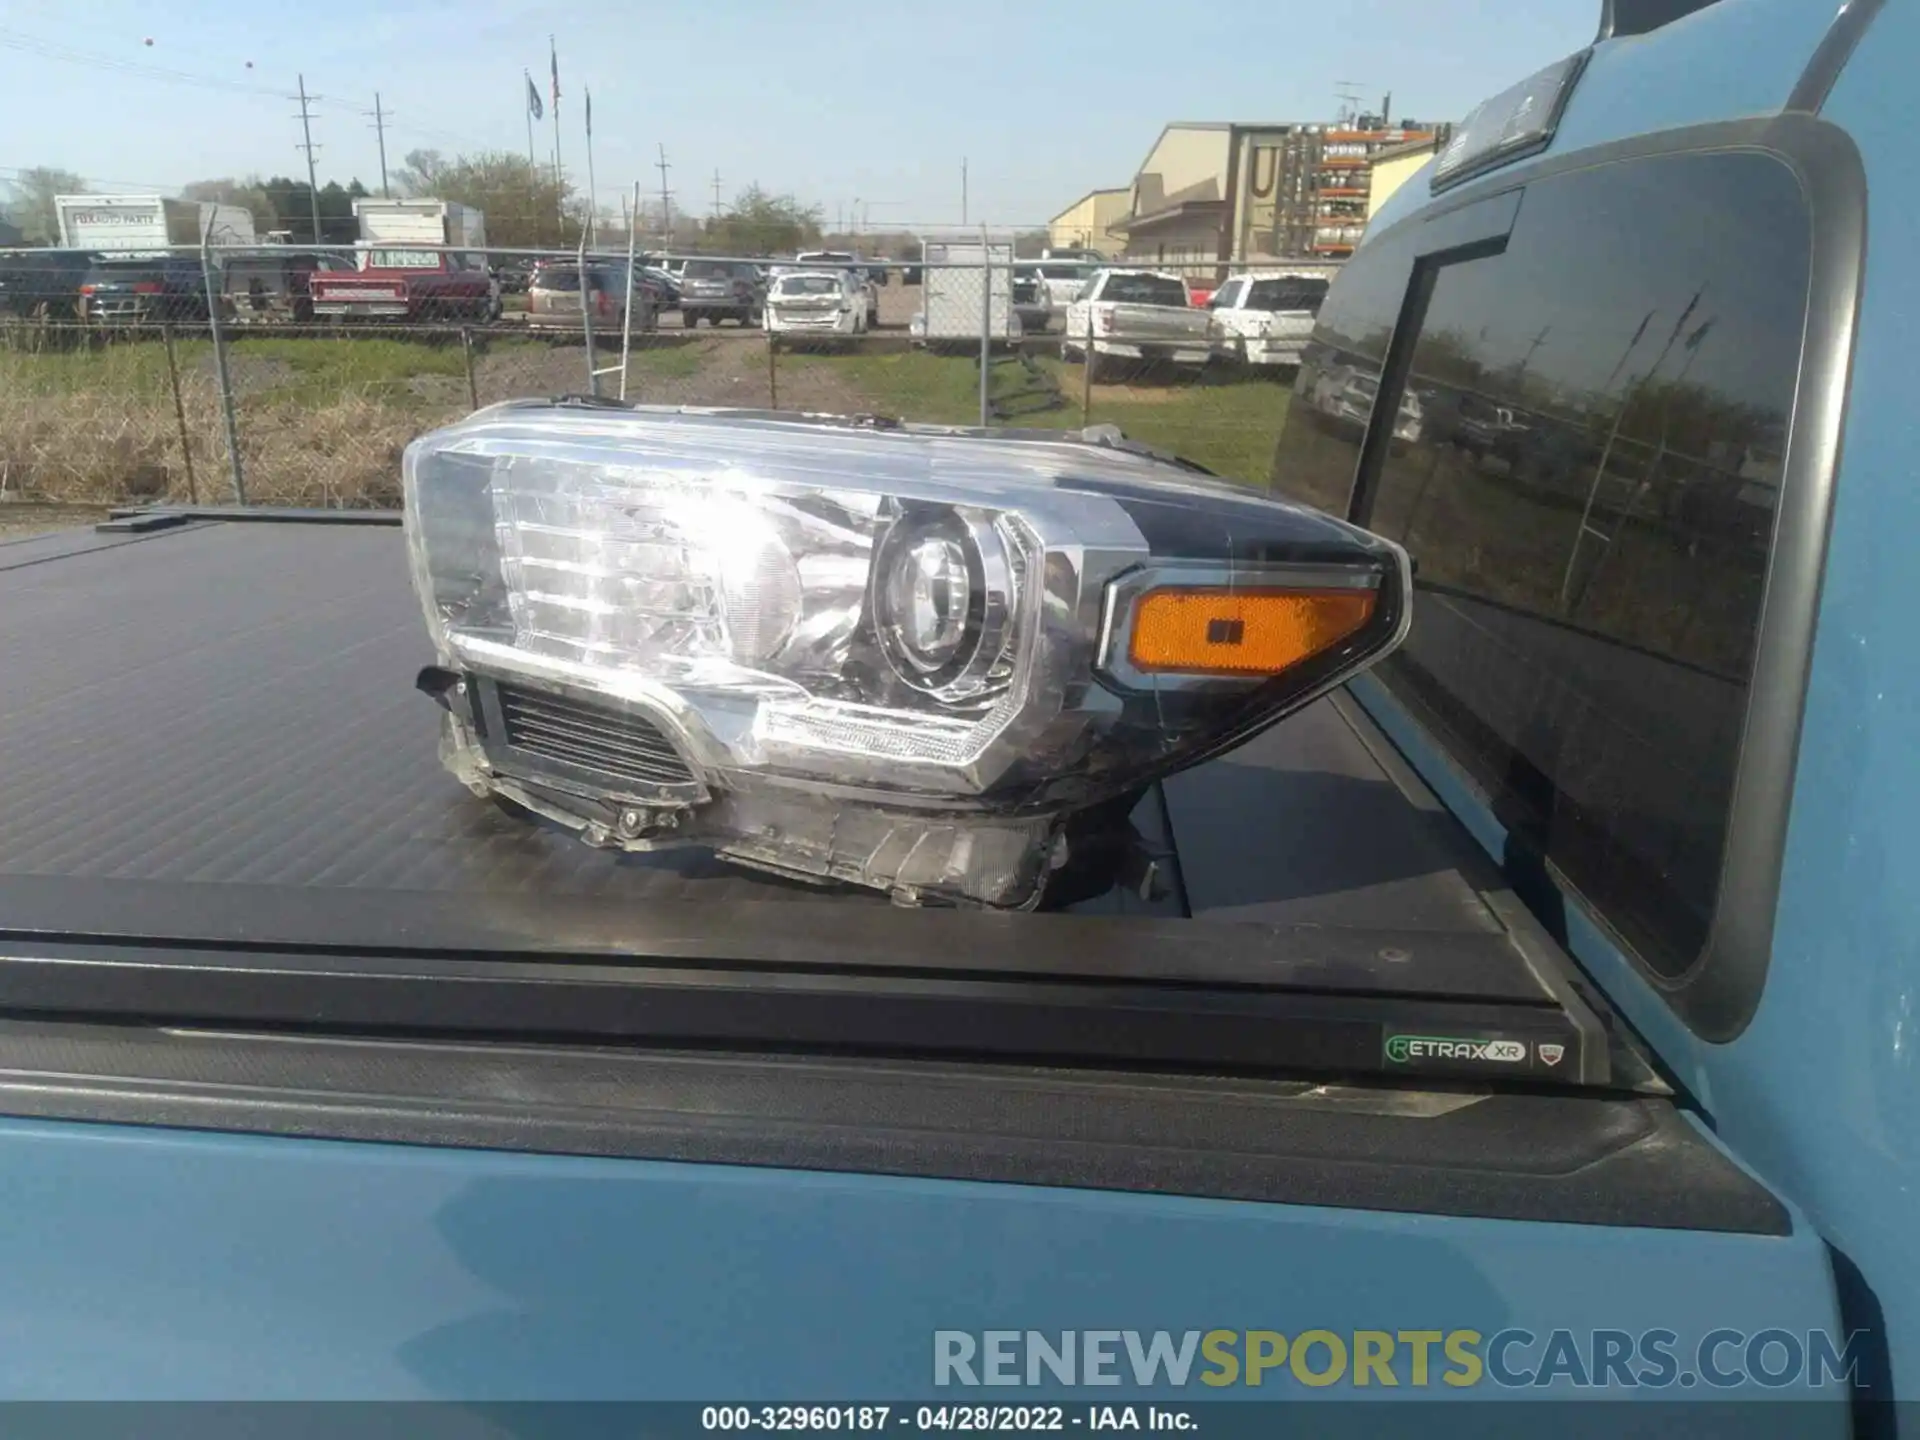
[(276, 376)]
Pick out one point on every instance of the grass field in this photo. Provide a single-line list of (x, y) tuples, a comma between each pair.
[(1227, 422), (322, 419)]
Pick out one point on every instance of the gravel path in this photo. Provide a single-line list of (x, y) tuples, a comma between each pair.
[(723, 367)]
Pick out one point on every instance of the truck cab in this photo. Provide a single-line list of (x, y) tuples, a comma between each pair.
[(1652, 505)]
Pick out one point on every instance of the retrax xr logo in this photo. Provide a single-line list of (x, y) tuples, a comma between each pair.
[(1404, 1048)]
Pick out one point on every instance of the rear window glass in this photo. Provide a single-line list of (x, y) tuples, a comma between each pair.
[(562, 281), (1586, 466), (712, 270), (1305, 294), (808, 285), (1145, 290), (1063, 272)]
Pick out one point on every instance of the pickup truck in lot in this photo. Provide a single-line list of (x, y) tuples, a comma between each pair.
[(419, 260), (396, 283), (1265, 317), (1141, 316), (1522, 1027)]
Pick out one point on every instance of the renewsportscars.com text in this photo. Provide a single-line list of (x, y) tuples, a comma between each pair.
[(1460, 1359)]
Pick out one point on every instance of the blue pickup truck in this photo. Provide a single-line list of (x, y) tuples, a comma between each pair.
[(1531, 1018)]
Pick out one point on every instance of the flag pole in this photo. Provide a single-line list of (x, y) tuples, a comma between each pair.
[(532, 163), (559, 184), (593, 209)]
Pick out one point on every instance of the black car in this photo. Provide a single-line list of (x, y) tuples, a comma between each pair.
[(144, 291), (43, 284)]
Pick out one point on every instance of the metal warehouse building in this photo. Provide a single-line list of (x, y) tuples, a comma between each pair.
[(1084, 225), (1211, 193)]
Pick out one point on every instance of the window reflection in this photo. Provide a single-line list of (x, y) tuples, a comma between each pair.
[(1586, 469)]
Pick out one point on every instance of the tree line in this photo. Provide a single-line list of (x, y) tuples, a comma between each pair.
[(527, 206)]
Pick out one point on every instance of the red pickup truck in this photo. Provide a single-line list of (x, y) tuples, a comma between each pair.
[(402, 284)]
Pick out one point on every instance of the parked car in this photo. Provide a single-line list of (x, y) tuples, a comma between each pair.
[(1266, 317), (144, 291), (43, 284), (1139, 315), (515, 276), (1341, 398), (817, 304), (274, 285), (553, 298), (665, 286), (1064, 279), (1032, 301), (716, 290)]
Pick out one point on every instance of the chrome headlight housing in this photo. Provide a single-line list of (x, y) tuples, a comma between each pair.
[(896, 656)]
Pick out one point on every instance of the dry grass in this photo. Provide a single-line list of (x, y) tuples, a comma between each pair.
[(82, 447), (102, 429), (323, 419)]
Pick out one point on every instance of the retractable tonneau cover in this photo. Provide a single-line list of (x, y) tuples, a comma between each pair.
[(228, 706)]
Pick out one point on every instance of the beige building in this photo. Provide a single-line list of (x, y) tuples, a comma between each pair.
[(1216, 193), (1176, 205), (1394, 166), (1084, 224)]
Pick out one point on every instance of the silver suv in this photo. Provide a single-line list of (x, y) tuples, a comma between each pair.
[(716, 290)]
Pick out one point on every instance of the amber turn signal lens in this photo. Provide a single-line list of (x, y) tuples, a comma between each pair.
[(1241, 632)]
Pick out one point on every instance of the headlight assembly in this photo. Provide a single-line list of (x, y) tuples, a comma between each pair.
[(901, 658)]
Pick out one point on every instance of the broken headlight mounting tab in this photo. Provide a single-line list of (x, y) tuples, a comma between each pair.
[(914, 659)]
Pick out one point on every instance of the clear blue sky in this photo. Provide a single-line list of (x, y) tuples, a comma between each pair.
[(1045, 99)]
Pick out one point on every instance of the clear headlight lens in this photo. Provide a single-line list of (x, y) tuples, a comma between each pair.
[(898, 656)]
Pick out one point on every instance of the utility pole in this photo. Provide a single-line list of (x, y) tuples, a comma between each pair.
[(306, 144), (716, 194), (1537, 341), (963, 189), (666, 196), (380, 130)]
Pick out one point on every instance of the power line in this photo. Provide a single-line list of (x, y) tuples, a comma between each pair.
[(11, 39)]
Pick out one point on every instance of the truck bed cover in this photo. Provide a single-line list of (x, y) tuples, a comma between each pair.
[(238, 892), (210, 738)]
